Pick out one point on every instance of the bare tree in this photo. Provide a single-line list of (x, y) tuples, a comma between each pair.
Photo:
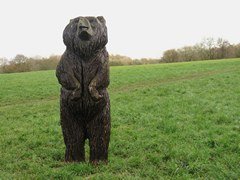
[(20, 58), (187, 53), (170, 56), (209, 45), (222, 46)]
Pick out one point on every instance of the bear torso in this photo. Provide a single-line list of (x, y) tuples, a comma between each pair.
[(83, 69)]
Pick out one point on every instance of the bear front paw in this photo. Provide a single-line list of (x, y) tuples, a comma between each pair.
[(76, 95), (96, 96)]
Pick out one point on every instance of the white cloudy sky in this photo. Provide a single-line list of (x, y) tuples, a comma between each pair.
[(137, 28)]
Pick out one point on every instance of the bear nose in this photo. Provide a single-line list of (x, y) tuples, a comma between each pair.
[(83, 28)]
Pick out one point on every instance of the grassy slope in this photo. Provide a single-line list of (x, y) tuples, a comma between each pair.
[(179, 120)]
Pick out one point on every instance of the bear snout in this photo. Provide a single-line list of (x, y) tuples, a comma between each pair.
[(85, 36)]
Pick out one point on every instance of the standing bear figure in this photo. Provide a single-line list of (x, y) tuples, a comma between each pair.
[(83, 73)]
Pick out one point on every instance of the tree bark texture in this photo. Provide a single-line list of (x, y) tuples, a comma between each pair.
[(83, 73)]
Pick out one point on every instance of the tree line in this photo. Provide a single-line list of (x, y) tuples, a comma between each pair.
[(208, 49), (21, 63)]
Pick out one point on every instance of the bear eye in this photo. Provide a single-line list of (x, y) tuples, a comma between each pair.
[(91, 20)]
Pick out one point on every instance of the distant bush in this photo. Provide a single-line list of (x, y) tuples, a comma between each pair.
[(118, 60)]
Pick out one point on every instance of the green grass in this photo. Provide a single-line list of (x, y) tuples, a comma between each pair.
[(169, 121)]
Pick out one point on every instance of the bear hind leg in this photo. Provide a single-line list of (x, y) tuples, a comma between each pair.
[(99, 137), (74, 137)]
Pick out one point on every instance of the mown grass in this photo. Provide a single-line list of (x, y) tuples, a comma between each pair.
[(169, 121)]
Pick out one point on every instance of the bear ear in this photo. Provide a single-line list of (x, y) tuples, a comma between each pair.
[(74, 19), (101, 19)]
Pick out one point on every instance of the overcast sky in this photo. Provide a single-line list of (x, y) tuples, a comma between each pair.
[(136, 28)]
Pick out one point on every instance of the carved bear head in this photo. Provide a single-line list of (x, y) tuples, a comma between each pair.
[(85, 35)]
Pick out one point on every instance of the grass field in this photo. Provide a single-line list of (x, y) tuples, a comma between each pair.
[(169, 121)]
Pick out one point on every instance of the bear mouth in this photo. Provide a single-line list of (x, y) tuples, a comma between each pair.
[(85, 36)]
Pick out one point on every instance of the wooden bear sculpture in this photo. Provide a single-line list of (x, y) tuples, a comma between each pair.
[(83, 73)]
